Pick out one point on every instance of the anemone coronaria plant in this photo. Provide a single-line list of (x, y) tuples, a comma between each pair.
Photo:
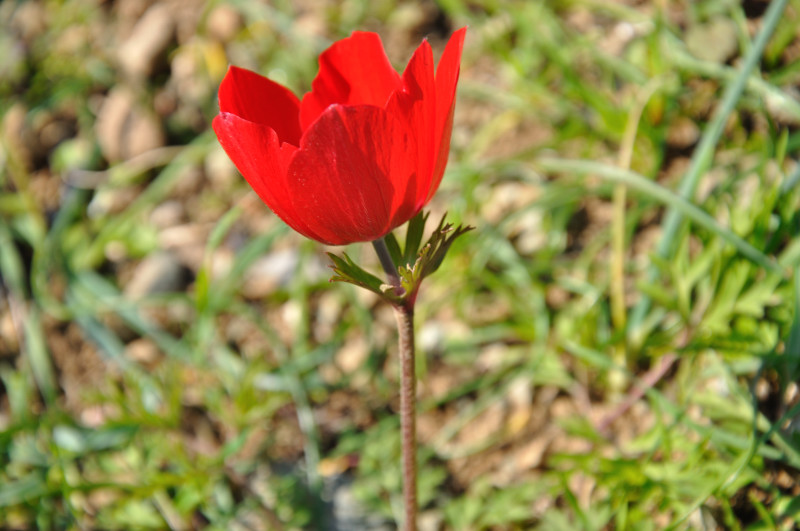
[(359, 155)]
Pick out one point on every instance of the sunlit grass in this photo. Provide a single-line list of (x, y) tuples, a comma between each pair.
[(552, 393)]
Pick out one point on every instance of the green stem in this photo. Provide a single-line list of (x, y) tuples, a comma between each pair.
[(618, 379), (388, 264)]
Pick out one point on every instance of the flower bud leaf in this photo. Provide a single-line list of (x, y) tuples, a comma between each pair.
[(345, 270), (415, 267), (394, 248), (439, 243), (414, 237)]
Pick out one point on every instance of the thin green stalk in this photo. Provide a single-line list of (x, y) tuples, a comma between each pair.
[(386, 262), (619, 380), (703, 155)]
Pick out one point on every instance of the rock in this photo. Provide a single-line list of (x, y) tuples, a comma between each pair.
[(187, 241), (158, 273), (431, 337), (189, 183), (220, 170), (526, 457), (45, 189), (277, 269), (348, 513), (329, 311), (480, 429), (143, 351), (713, 41), (270, 272), (167, 214), (187, 77), (682, 133), (109, 201), (126, 129), (223, 23), (527, 232), (353, 354), (29, 20), (145, 49), (506, 197), (430, 520), (126, 15), (9, 340), (54, 131), (16, 132)]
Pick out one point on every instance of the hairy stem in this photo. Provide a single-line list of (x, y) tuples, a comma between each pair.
[(408, 420), (408, 388)]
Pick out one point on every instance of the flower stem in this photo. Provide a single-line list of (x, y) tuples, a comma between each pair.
[(404, 313), (408, 419), (388, 265)]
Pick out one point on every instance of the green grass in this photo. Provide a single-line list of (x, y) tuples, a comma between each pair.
[(616, 345)]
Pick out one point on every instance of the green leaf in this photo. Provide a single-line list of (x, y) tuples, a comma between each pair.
[(440, 242), (791, 359), (11, 268), (659, 193), (394, 248), (28, 488), (426, 261), (348, 271), (39, 355), (430, 257), (203, 281), (414, 237)]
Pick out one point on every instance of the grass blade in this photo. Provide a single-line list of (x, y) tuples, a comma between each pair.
[(676, 202), (703, 155)]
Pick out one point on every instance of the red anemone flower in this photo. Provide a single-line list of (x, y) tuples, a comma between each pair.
[(361, 154)]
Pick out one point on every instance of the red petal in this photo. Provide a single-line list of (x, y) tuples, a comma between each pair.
[(416, 105), (351, 165), (353, 71), (257, 153), (257, 99), (446, 80)]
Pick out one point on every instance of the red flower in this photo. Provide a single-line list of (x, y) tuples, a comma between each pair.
[(361, 154)]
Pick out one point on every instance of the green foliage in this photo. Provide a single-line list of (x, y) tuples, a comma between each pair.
[(411, 265), (252, 393)]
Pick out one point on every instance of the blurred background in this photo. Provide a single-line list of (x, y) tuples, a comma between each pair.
[(616, 345)]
